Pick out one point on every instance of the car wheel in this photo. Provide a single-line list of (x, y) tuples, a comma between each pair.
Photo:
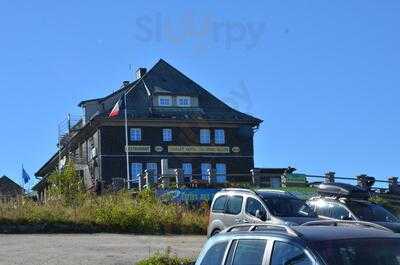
[(215, 232)]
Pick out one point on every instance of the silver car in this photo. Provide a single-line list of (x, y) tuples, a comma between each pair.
[(321, 243), (240, 206)]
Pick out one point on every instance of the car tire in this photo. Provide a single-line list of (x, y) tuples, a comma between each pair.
[(215, 232)]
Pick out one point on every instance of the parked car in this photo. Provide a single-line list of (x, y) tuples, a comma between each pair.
[(238, 206), (263, 244), (347, 202)]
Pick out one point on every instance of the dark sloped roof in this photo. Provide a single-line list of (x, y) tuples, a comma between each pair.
[(165, 79), (119, 91), (7, 184)]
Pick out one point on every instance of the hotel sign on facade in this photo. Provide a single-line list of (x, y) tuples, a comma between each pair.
[(199, 149), (181, 149)]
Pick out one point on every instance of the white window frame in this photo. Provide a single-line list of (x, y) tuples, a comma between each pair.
[(219, 135), (161, 98), (135, 134), (183, 98), (204, 170), (220, 170), (153, 167), (136, 169), (205, 136), (167, 135)]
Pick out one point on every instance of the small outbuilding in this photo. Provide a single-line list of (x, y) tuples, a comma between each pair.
[(9, 190)]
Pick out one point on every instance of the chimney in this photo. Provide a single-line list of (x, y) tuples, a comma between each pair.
[(140, 72), (125, 83)]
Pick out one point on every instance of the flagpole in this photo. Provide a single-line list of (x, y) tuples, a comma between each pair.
[(128, 172)]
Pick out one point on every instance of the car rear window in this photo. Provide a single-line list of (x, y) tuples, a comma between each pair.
[(219, 204), (360, 251)]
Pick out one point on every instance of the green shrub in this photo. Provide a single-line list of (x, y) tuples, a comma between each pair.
[(120, 212), (165, 259)]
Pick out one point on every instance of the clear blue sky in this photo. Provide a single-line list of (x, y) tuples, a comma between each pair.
[(323, 75)]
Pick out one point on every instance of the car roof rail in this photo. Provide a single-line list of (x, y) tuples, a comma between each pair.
[(238, 189), (345, 222), (267, 227)]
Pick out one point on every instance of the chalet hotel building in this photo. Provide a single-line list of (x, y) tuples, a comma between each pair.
[(169, 117)]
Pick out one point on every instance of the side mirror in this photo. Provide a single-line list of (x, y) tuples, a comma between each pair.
[(261, 215)]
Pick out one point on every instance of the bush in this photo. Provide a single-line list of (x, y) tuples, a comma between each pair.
[(165, 259), (120, 212)]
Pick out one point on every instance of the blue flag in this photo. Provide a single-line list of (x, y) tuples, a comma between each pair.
[(25, 176)]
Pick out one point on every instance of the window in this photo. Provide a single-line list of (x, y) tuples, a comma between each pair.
[(219, 136), (187, 170), (382, 251), (183, 101), (221, 172), (205, 167), (136, 134), (136, 169), (204, 136), (253, 205), (167, 135), (323, 208), (339, 212), (165, 101), (219, 205), (152, 167), (285, 253), (215, 254), (248, 252), (371, 212), (234, 205)]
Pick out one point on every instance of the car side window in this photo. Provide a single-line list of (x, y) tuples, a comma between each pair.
[(322, 208), (247, 252), (288, 254), (219, 204), (252, 205), (215, 254), (340, 212), (234, 205)]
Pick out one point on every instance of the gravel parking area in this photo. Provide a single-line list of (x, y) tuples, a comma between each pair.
[(90, 249)]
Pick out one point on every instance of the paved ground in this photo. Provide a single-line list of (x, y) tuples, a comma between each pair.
[(96, 249)]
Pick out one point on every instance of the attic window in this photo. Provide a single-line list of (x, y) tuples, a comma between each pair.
[(183, 101), (165, 101)]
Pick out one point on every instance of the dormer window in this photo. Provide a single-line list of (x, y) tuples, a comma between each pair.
[(183, 101), (165, 101)]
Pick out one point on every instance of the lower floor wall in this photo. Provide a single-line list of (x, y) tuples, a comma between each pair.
[(225, 168)]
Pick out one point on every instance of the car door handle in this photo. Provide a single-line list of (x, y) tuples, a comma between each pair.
[(237, 220), (245, 221)]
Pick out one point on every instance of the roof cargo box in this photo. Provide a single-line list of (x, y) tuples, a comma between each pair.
[(342, 190)]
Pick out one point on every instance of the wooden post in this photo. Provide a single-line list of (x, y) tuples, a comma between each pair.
[(164, 173), (178, 177), (255, 176), (211, 176), (147, 176), (394, 187), (330, 177)]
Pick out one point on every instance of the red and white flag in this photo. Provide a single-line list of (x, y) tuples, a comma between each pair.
[(117, 108)]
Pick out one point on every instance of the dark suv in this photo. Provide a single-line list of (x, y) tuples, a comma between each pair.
[(351, 207), (341, 244)]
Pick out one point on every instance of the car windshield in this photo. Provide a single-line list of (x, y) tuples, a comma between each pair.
[(358, 251), (371, 212), (288, 207)]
